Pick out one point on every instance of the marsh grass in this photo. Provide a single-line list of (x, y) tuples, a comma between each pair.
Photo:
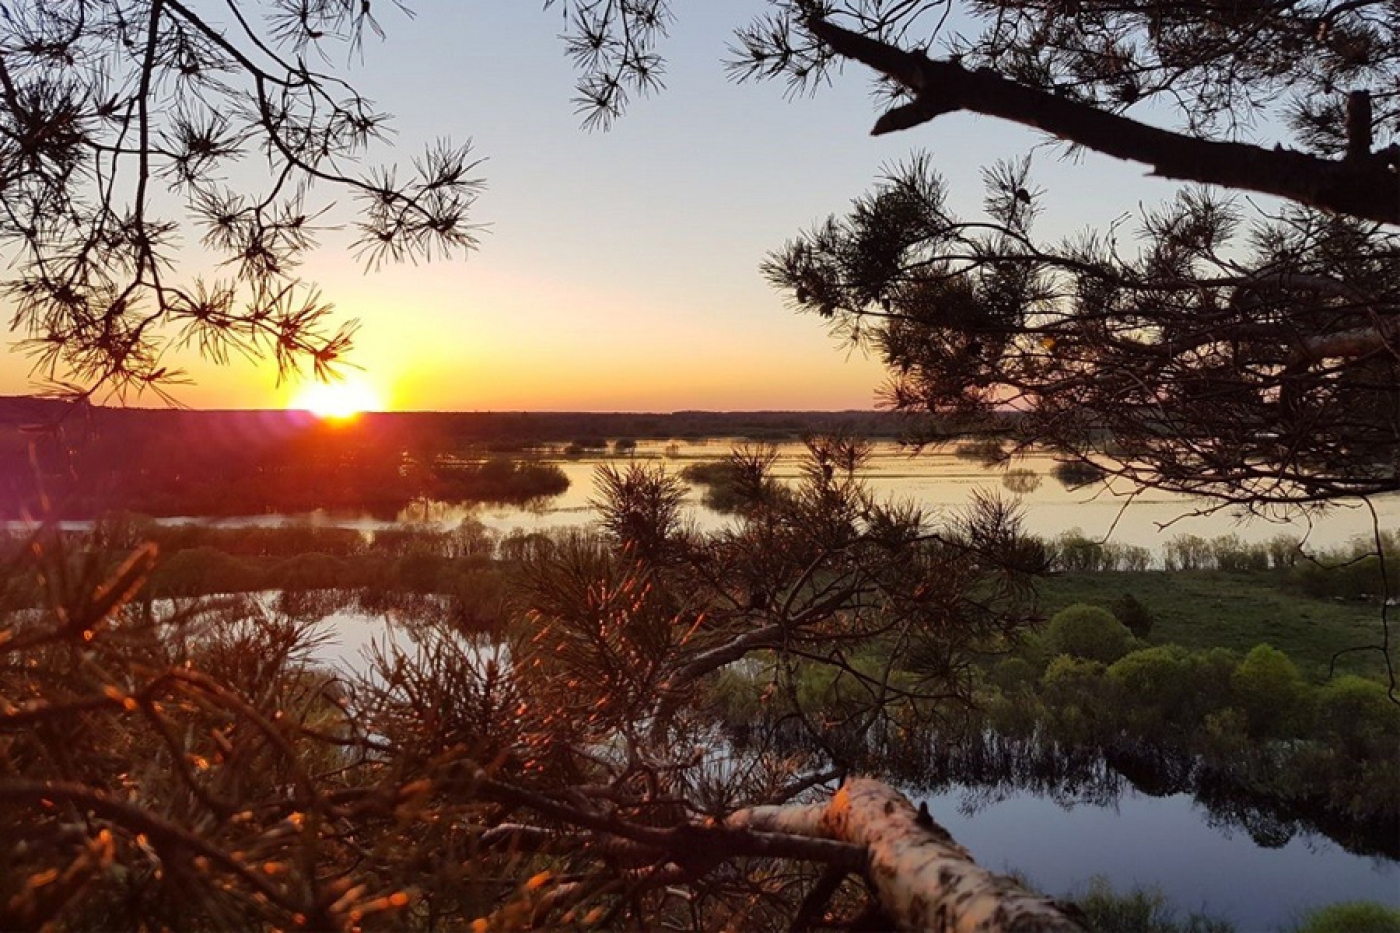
[(1140, 910), (1350, 917)]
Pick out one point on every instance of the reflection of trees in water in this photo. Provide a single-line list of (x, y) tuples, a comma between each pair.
[(986, 768), (1076, 474), (989, 768), (314, 604), (1021, 481), (1272, 822)]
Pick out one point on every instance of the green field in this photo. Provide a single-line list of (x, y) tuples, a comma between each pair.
[(1204, 609)]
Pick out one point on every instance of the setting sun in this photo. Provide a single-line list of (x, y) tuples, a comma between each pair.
[(344, 398)]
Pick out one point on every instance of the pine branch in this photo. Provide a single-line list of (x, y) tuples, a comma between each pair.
[(1367, 187)]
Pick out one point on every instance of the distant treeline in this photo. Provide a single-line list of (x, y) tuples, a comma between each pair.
[(302, 554), (208, 464), (472, 428), (80, 461), (1356, 570)]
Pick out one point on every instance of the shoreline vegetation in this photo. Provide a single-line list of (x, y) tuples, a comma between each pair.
[(168, 462)]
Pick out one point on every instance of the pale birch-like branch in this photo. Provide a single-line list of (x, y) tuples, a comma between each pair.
[(924, 879)]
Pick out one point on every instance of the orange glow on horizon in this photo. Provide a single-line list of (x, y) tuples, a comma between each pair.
[(339, 400)]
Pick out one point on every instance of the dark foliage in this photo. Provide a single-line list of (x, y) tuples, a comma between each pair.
[(1267, 377), (1250, 362), (123, 121)]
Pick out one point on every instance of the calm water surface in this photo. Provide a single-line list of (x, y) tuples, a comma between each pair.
[(942, 483), (939, 482), (1169, 843)]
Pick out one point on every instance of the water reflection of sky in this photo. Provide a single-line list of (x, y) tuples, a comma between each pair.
[(942, 482), (1166, 842), (352, 637), (939, 482)]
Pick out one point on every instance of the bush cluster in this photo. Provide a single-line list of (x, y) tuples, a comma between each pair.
[(1251, 719)]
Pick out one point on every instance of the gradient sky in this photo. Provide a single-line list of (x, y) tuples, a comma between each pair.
[(619, 270)]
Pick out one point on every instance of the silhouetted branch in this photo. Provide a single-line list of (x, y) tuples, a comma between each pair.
[(1359, 187)]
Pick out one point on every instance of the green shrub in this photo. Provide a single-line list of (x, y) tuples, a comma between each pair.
[(720, 480), (313, 571), (1131, 558), (1170, 690), (1231, 553), (1284, 551), (1188, 552), (1073, 690), (522, 545), (828, 689), (1271, 692), (1012, 674), (1357, 716), (200, 571), (1066, 673), (1351, 917), (1074, 553), (471, 539), (477, 600), (736, 697), (500, 479), (424, 573), (1351, 578), (401, 542), (1085, 631), (1226, 735)]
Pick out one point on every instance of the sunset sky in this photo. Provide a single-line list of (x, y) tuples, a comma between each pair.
[(619, 270)]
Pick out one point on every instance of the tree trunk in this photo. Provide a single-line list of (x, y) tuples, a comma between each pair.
[(925, 880)]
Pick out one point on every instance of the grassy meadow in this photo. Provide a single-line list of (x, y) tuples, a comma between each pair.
[(1199, 609)]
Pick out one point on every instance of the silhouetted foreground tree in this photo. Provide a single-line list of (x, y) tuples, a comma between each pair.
[(572, 774), (126, 125), (1076, 73), (1257, 366), (1256, 363)]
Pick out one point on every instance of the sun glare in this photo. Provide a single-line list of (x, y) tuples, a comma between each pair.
[(338, 400)]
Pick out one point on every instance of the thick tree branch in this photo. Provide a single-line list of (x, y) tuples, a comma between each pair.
[(706, 662), (925, 880), (1367, 187), (686, 842)]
